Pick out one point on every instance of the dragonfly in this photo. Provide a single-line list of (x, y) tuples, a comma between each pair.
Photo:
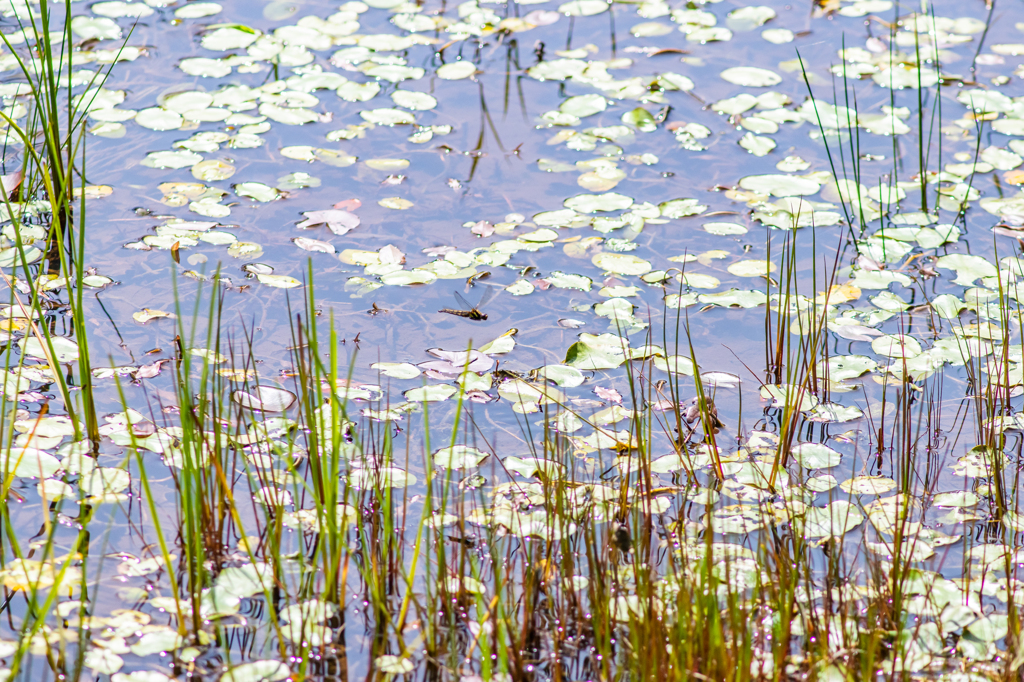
[(471, 312)]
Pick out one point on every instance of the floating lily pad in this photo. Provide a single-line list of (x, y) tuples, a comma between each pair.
[(459, 457), (621, 263), (780, 185), (396, 203), (751, 76), (752, 268), (398, 370), (815, 456), (430, 394), (157, 118), (212, 170), (388, 165), (456, 71), (418, 101), (591, 203)]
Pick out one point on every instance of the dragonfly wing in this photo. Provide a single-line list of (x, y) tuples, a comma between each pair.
[(463, 303), (487, 296)]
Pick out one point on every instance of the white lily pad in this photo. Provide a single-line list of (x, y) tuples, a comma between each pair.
[(459, 457), (815, 456), (418, 101), (751, 76), (258, 671), (29, 463), (64, 349), (430, 394), (621, 263), (158, 118), (456, 71), (397, 370), (592, 203), (780, 185)]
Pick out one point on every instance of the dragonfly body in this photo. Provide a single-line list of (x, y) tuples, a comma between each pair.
[(473, 314)]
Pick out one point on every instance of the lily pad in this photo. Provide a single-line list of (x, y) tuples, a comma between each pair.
[(815, 456), (456, 71), (751, 76), (780, 185), (459, 457)]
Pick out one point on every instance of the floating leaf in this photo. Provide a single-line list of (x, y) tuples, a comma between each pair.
[(256, 191), (418, 101), (868, 485), (681, 208), (278, 281), (751, 76), (815, 456), (174, 160), (756, 144), (779, 185), (64, 349), (968, 268), (456, 71), (396, 203), (28, 463), (584, 8), (591, 203), (197, 10), (836, 519), (265, 399), (621, 263), (394, 665), (430, 394), (388, 165), (752, 268), (896, 346), (157, 118), (212, 170), (398, 370), (258, 671), (459, 457)]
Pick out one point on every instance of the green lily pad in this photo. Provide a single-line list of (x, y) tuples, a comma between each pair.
[(582, 106), (751, 77), (896, 346), (418, 101), (621, 263), (158, 118), (430, 394), (780, 185), (591, 203), (681, 208), (969, 268), (29, 463), (815, 456), (398, 370), (456, 71), (459, 457), (583, 8), (64, 349), (591, 352)]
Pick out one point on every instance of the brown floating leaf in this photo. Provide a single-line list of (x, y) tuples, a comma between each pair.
[(148, 371), (668, 50), (11, 182), (1014, 177)]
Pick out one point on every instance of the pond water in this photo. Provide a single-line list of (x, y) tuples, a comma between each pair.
[(810, 214)]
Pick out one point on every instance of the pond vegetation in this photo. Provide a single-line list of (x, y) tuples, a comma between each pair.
[(511, 341)]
